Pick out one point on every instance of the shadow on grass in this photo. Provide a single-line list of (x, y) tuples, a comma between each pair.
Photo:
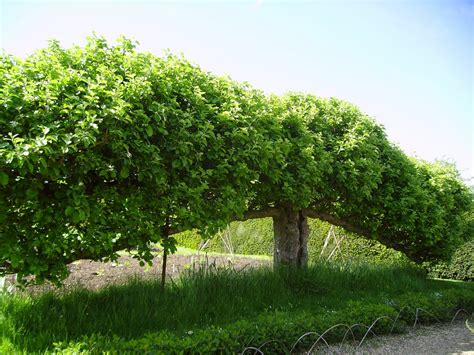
[(200, 298)]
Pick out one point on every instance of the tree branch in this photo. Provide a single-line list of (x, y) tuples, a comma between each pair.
[(337, 222), (265, 213)]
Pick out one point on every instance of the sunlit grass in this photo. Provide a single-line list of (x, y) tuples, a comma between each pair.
[(204, 297)]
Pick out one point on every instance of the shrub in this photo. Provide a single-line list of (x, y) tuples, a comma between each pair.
[(459, 267)]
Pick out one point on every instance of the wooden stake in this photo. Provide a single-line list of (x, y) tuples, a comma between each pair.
[(163, 268)]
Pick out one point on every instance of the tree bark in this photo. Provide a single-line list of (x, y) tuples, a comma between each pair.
[(291, 233)]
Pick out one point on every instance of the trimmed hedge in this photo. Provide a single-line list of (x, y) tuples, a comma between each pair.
[(459, 267), (255, 237)]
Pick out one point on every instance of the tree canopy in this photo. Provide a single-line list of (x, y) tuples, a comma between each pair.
[(105, 148)]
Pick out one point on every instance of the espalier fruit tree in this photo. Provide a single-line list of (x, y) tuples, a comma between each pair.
[(103, 148)]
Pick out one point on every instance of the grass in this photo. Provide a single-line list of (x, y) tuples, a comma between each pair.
[(208, 298), (189, 251)]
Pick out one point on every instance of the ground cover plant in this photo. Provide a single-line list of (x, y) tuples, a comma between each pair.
[(214, 309), (104, 148)]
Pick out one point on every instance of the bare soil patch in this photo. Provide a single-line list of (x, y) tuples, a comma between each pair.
[(94, 275)]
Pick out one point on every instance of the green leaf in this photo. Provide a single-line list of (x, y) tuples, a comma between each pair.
[(78, 216), (124, 172), (3, 179), (149, 131), (31, 193), (70, 211)]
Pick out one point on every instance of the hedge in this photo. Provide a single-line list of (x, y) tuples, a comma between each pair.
[(255, 237)]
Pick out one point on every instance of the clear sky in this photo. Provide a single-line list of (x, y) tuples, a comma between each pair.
[(409, 64)]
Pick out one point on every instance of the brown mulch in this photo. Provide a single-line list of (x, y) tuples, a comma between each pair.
[(94, 275)]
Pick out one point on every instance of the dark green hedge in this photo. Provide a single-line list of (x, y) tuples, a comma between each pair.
[(255, 237), (459, 267)]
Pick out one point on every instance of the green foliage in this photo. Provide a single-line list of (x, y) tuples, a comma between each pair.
[(459, 267), (255, 237), (247, 307), (189, 239), (252, 237), (461, 264), (104, 148), (283, 326)]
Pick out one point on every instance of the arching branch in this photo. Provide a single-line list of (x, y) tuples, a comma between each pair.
[(254, 214), (337, 222), (265, 213)]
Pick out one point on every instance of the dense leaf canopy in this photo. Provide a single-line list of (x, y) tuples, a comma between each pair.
[(104, 148)]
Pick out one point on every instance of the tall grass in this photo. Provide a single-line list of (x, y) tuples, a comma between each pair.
[(199, 298)]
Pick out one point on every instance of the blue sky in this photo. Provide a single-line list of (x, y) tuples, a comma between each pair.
[(409, 64)]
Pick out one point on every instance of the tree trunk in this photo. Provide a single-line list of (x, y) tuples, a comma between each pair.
[(291, 232)]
